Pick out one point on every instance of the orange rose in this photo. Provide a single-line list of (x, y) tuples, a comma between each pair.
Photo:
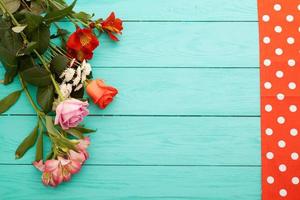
[(101, 94)]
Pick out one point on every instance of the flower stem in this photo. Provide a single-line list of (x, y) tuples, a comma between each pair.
[(71, 16), (24, 86)]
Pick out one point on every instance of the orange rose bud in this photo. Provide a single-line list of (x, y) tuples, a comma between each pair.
[(101, 94)]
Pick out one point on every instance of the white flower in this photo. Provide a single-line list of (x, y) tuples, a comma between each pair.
[(69, 74), (66, 89), (86, 68), (78, 87), (72, 62), (77, 80), (83, 77)]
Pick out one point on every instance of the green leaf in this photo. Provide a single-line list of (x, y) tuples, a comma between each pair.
[(58, 14), (84, 130), (75, 133), (40, 145), (10, 43), (42, 37), (9, 100), (11, 5), (9, 75), (45, 97), (59, 64), (83, 16), (28, 49), (27, 143), (50, 126), (34, 74), (33, 21)]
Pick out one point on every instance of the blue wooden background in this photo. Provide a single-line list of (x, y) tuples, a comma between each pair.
[(186, 122)]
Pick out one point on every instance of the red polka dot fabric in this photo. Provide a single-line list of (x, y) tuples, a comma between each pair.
[(279, 30)]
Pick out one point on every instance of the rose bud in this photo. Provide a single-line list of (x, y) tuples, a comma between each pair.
[(101, 94)]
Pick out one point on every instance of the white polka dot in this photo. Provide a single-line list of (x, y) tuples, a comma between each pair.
[(277, 7), (266, 18), (278, 51), (282, 168), (295, 156), (281, 143), (290, 18), (290, 40), (298, 29), (269, 131), (268, 85), (267, 40), (270, 155), (283, 192), (291, 62), (267, 62), (270, 179), (279, 74), (280, 96), (278, 29), (268, 108), (292, 85), (293, 108), (295, 180), (298, 7), (293, 132), (281, 120)]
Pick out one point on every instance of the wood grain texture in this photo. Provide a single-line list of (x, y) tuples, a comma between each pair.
[(153, 140), (135, 183), (184, 44), (172, 92), (186, 122), (183, 10)]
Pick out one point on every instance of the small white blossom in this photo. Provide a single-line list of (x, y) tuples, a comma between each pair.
[(83, 77), (66, 89), (72, 62), (76, 80), (62, 74), (78, 87), (86, 68), (69, 74)]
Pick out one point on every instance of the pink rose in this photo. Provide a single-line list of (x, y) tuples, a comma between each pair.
[(70, 113)]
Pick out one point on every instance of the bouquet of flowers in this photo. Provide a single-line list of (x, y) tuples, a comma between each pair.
[(34, 48)]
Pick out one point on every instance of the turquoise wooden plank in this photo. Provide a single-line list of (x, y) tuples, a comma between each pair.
[(173, 10), (185, 44), (153, 140), (172, 92), (135, 183)]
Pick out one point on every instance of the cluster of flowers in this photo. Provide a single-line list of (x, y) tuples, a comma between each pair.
[(71, 112), (62, 75), (61, 169)]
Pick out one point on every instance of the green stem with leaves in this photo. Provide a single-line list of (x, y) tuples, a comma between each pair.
[(16, 23), (24, 86)]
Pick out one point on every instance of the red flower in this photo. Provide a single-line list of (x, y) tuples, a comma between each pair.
[(112, 25), (81, 44)]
